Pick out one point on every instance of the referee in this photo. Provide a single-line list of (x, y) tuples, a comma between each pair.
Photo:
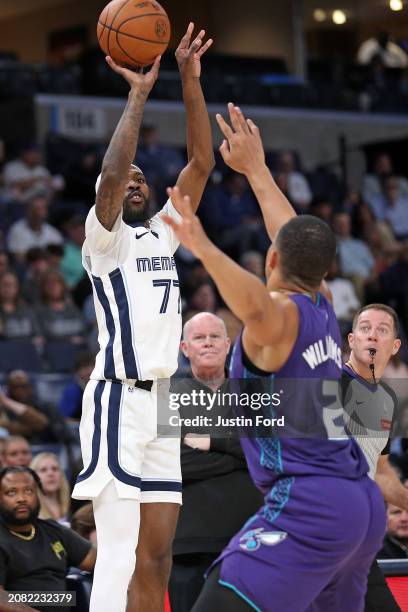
[(371, 406)]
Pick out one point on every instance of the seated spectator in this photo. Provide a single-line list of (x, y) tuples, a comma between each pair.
[(55, 495), (372, 183), (33, 230), (37, 262), (19, 418), (35, 554), (71, 264), (345, 301), (381, 47), (17, 451), (377, 234), (396, 540), (254, 262), (323, 209), (81, 176), (214, 470), (21, 389), (394, 285), (4, 262), (160, 163), (70, 404), (356, 260), (83, 522), (392, 206), (296, 186), (26, 176), (17, 321), (233, 214), (58, 317)]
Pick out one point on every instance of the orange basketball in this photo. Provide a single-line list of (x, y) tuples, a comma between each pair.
[(133, 33)]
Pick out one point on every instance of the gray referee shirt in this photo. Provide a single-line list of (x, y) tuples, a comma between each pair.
[(370, 413)]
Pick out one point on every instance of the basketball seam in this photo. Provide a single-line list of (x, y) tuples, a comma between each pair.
[(103, 24), (125, 52), (116, 14), (157, 42)]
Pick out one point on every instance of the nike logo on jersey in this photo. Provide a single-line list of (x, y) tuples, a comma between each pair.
[(155, 234)]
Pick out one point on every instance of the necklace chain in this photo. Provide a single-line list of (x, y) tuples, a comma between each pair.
[(24, 537)]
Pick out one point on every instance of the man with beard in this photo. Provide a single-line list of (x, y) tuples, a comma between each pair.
[(34, 554), (132, 475)]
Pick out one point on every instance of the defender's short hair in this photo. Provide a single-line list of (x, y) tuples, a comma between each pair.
[(307, 247)]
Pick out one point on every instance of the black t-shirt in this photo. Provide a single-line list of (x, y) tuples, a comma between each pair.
[(40, 564)]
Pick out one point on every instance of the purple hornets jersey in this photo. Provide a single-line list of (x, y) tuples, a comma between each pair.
[(307, 386)]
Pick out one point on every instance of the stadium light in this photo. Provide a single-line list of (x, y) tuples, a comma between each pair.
[(339, 17), (396, 5), (319, 15)]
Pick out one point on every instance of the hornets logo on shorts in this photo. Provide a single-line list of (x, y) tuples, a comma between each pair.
[(252, 539)]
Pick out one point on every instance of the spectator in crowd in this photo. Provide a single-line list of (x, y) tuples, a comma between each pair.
[(17, 321), (382, 48), (17, 451), (323, 209), (254, 262), (161, 164), (58, 317), (26, 176), (203, 298), (35, 554), (214, 469), (37, 262), (345, 301), (55, 495), (19, 418), (71, 264), (296, 186), (394, 286), (396, 540), (235, 214), (377, 234), (372, 183), (83, 522), (4, 262), (81, 176), (70, 404), (33, 230), (21, 389), (392, 206), (356, 260)]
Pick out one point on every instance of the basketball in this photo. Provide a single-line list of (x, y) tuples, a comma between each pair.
[(133, 33)]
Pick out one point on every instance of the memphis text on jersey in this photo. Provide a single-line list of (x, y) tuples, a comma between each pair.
[(149, 264)]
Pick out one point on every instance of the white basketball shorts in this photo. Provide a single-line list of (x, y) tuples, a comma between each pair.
[(119, 442)]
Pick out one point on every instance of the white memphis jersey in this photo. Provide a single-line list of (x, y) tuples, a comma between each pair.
[(136, 295)]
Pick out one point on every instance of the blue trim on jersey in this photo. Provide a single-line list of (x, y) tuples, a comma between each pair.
[(277, 499), (115, 396), (129, 360), (161, 485), (240, 594), (96, 437), (109, 367)]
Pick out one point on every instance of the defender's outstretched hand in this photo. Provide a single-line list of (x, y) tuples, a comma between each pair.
[(188, 55), (189, 231), (243, 149), (137, 80)]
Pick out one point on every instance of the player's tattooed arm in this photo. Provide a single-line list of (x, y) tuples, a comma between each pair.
[(200, 153), (242, 150), (122, 147)]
